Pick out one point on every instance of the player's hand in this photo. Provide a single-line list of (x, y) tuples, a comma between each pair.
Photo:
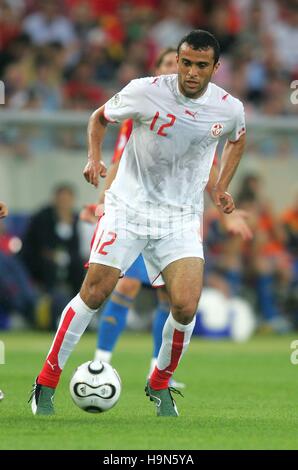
[(91, 212), (223, 200), (93, 170), (3, 210), (236, 224)]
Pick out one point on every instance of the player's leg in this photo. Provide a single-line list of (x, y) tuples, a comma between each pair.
[(114, 316), (98, 284), (159, 320), (183, 280)]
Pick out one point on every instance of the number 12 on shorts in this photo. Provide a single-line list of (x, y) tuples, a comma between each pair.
[(99, 248)]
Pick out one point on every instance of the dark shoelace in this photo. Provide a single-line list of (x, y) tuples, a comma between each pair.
[(32, 393), (175, 391)]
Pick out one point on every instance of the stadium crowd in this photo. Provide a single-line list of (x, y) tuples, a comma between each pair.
[(75, 54)]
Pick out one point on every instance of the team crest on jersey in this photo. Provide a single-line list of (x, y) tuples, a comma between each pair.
[(115, 100), (216, 129)]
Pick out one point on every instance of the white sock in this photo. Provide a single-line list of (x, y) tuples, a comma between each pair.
[(102, 355), (152, 365), (74, 320), (175, 341)]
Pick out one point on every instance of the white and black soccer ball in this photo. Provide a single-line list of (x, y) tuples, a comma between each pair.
[(95, 386)]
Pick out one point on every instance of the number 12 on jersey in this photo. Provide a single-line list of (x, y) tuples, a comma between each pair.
[(163, 126)]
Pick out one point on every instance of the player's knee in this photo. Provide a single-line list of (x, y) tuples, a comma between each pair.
[(94, 294), (184, 309), (128, 287)]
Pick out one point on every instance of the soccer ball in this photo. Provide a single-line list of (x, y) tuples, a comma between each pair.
[(95, 386)]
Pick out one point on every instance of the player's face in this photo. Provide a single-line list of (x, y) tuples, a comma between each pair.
[(168, 65), (195, 70)]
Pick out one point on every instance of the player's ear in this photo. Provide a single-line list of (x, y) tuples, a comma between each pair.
[(216, 67)]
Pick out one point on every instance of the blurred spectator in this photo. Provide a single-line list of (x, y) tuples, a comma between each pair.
[(17, 294), (81, 88), (10, 24), (51, 249), (174, 25), (47, 25), (285, 35), (266, 260), (290, 223), (44, 87)]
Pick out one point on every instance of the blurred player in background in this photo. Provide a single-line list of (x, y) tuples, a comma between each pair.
[(114, 316), (155, 205)]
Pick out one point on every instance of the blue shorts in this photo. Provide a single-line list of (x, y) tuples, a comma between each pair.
[(138, 271)]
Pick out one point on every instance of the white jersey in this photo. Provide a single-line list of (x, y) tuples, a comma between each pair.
[(167, 160)]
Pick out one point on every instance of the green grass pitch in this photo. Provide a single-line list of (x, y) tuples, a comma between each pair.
[(238, 396)]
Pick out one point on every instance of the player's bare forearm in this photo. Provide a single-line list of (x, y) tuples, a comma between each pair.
[(96, 132), (213, 177), (222, 201), (230, 159)]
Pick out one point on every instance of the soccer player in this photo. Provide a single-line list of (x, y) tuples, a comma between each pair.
[(114, 316), (155, 204)]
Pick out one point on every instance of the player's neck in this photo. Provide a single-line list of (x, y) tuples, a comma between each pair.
[(192, 97)]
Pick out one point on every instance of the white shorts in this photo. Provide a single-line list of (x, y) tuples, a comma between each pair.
[(120, 252)]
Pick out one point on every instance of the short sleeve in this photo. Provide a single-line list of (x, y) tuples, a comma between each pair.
[(239, 127), (125, 104)]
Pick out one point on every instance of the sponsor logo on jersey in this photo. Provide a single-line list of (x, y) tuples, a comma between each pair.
[(190, 113), (216, 129)]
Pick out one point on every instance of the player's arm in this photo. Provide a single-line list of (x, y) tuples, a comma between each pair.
[(230, 159), (96, 131), (234, 223), (123, 105), (3, 210)]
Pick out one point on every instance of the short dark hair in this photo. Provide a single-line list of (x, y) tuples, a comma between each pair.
[(201, 39), (64, 186), (162, 55)]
